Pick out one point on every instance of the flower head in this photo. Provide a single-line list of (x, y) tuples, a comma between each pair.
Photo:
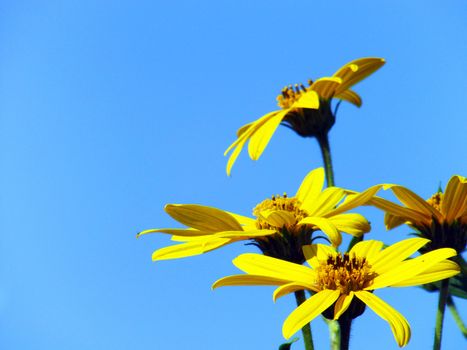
[(340, 281), (442, 218), (280, 227), (307, 110)]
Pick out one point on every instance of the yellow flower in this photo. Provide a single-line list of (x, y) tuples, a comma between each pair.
[(340, 281), (306, 110), (281, 226), (442, 218)]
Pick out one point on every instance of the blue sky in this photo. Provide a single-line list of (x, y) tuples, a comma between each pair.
[(109, 110)]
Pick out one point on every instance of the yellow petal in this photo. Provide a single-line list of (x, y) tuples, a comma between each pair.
[(241, 235), (238, 144), (247, 280), (243, 128), (404, 213), (307, 311), (202, 217), (311, 186), (290, 288), (413, 201), (257, 264), (354, 224), (189, 249), (260, 139), (440, 271), (326, 226), (410, 268), (342, 304), (176, 231), (355, 200), (325, 87), (396, 253), (278, 218), (314, 253), (399, 325), (326, 201), (367, 249), (350, 96), (309, 99), (242, 220), (392, 221), (454, 201), (366, 66)]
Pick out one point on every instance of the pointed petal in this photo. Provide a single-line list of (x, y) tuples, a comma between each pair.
[(242, 220), (396, 253), (454, 200), (410, 268), (314, 253), (261, 137), (354, 224), (307, 311), (189, 249), (405, 214), (202, 217), (440, 271), (350, 96), (355, 200), (366, 66), (367, 249), (392, 221), (399, 325), (242, 235), (278, 218), (342, 304), (290, 288), (247, 280), (414, 201), (325, 87), (243, 129), (326, 202), (257, 264), (311, 186), (175, 231), (326, 226), (309, 99)]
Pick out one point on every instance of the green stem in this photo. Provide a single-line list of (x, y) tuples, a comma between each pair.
[(306, 330), (443, 296), (326, 153), (345, 324), (456, 316)]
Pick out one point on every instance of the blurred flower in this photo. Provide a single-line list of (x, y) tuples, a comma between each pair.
[(307, 110), (281, 226), (442, 218), (345, 282)]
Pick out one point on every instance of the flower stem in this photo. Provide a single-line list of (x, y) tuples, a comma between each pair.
[(443, 296), (456, 316), (306, 330), (345, 324), (326, 153)]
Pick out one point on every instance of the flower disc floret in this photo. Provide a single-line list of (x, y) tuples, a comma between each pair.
[(344, 273)]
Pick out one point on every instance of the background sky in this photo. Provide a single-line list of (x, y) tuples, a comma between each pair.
[(111, 109)]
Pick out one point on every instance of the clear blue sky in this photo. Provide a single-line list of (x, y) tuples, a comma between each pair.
[(111, 109)]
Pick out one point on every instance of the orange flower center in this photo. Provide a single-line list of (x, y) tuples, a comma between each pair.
[(282, 203), (436, 201), (344, 273), (290, 94)]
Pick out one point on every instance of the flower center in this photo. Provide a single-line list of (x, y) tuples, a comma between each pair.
[(345, 273), (283, 203), (290, 94), (436, 200)]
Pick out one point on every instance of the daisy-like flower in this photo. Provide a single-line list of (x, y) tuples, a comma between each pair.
[(307, 110), (280, 227), (442, 218), (341, 281)]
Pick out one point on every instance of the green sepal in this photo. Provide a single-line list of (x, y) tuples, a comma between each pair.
[(286, 346)]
